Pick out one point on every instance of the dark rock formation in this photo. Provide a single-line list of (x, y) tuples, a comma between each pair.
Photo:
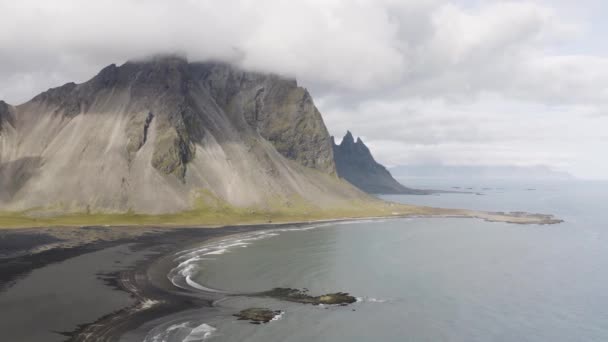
[(153, 135), (302, 296), (257, 315), (355, 163), (263, 315), (275, 107), (6, 115)]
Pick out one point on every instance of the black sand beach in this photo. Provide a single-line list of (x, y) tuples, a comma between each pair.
[(96, 290), (100, 283)]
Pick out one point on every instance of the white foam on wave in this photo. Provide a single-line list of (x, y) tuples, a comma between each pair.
[(148, 303), (198, 286), (279, 316), (191, 251), (370, 300), (218, 252), (200, 333), (188, 263), (238, 243), (187, 270), (187, 331), (189, 260), (375, 300), (163, 336)]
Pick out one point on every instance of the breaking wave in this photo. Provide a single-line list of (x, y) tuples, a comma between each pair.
[(188, 261), (186, 332)]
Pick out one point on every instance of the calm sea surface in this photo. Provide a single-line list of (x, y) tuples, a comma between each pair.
[(423, 279)]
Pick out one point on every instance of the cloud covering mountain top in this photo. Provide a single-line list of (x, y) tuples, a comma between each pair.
[(461, 82)]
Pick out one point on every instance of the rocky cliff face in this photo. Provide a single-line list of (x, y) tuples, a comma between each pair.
[(355, 163), (159, 135), (6, 116), (274, 107)]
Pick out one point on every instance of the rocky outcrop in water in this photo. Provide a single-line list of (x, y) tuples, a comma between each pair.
[(257, 315), (355, 163), (165, 135), (302, 296), (264, 315)]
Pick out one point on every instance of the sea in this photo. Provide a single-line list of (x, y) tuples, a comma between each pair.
[(416, 279)]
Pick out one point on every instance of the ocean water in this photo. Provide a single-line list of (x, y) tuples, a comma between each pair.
[(418, 279)]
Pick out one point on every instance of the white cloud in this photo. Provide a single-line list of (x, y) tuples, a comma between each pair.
[(504, 82), (488, 131)]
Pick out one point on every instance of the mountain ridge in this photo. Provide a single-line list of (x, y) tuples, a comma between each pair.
[(163, 134), (356, 164)]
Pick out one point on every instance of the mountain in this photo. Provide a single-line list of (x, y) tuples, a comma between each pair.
[(165, 135), (6, 116), (355, 163)]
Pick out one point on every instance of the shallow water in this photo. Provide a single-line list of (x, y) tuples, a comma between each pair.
[(58, 298), (423, 279)]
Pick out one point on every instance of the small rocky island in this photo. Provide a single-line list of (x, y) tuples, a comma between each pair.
[(257, 315), (302, 296), (265, 315)]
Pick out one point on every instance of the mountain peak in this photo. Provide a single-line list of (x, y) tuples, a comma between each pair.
[(356, 164), (348, 139), (162, 129)]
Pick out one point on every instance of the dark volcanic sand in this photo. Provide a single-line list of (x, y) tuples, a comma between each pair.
[(57, 294), (93, 283), (60, 296)]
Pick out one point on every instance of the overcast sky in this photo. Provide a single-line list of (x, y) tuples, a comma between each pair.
[(422, 81)]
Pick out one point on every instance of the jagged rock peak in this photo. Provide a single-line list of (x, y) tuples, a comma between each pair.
[(355, 149), (356, 164), (348, 139)]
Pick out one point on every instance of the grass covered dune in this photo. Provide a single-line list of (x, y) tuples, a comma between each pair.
[(223, 215)]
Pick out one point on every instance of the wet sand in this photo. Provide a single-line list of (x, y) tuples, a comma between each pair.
[(91, 292), (50, 302)]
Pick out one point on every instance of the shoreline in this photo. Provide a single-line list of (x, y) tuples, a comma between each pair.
[(147, 302), (517, 217), (244, 217), (154, 297), (57, 242), (160, 302)]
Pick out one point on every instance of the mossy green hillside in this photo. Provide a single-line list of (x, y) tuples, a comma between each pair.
[(212, 213)]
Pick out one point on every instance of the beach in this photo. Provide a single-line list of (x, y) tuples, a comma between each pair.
[(112, 283), (89, 282)]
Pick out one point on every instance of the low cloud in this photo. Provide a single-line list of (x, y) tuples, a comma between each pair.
[(489, 82)]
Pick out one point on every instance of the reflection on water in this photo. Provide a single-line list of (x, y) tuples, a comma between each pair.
[(429, 279)]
